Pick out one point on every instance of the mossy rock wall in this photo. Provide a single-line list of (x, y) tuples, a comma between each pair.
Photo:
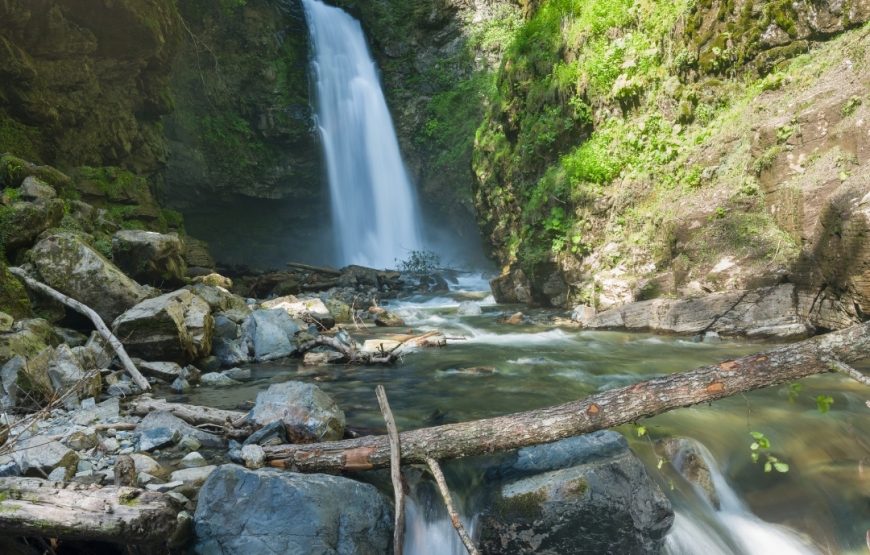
[(85, 82), (242, 123)]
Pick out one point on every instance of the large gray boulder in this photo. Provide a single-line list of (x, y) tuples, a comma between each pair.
[(229, 344), (150, 257), (69, 377), (270, 334), (766, 312), (175, 327), (308, 413), (67, 263), (241, 511), (163, 420), (588, 494)]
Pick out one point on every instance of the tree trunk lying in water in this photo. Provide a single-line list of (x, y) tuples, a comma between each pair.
[(599, 411), (32, 506)]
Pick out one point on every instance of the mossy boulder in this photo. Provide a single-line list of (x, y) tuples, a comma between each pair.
[(26, 339), (66, 262), (150, 257), (13, 296), (22, 222), (176, 327)]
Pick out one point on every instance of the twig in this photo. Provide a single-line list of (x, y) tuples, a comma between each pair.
[(395, 469), (103, 330), (849, 371), (448, 502)]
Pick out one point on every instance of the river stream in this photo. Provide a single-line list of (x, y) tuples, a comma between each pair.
[(490, 368)]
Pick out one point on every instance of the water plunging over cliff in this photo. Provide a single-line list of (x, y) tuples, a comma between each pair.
[(374, 208)]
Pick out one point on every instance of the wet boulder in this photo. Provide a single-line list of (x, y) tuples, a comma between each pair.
[(176, 327), (270, 334), (150, 257), (687, 457), (308, 413), (388, 320), (66, 262), (588, 494), (268, 511), (229, 344)]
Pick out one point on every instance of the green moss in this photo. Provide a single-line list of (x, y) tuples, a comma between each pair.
[(526, 506), (19, 139)]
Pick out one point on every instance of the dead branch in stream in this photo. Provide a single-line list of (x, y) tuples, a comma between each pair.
[(395, 470), (352, 355), (435, 468), (603, 410), (95, 318)]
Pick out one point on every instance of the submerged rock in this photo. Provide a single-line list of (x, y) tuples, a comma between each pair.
[(67, 263), (587, 494), (307, 412), (267, 511), (686, 456), (388, 320)]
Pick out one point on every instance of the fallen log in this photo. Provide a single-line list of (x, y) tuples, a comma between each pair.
[(192, 414), (95, 318), (596, 412), (123, 515), (315, 269)]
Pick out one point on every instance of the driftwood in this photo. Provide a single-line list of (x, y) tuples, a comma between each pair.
[(600, 411), (435, 468), (351, 354), (131, 516), (102, 329), (192, 414), (395, 470)]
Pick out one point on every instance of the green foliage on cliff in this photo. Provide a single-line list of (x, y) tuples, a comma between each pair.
[(603, 121)]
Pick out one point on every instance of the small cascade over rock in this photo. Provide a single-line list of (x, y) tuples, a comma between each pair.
[(374, 207)]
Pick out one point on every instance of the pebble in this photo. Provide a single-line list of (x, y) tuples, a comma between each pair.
[(126, 451), (110, 445), (190, 443), (180, 385), (192, 460), (253, 455), (156, 438), (163, 488)]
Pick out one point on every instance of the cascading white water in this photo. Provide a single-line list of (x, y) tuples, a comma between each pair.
[(733, 528), (374, 208)]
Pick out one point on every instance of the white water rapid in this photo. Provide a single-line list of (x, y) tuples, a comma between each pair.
[(374, 209), (732, 529)]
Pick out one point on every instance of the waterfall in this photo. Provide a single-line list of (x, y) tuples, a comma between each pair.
[(374, 208)]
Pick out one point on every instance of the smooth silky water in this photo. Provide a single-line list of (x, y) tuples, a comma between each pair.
[(374, 207), (819, 506)]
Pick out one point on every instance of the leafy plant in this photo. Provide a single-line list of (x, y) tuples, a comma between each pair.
[(824, 402), (419, 262), (761, 446)]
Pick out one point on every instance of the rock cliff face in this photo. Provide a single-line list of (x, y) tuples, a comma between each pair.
[(86, 82), (637, 150), (244, 161)]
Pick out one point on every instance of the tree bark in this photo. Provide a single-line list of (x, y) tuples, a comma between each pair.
[(32, 506), (395, 470), (435, 468), (82, 308), (600, 411)]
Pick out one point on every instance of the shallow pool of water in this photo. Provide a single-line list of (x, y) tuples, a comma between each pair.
[(491, 368)]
